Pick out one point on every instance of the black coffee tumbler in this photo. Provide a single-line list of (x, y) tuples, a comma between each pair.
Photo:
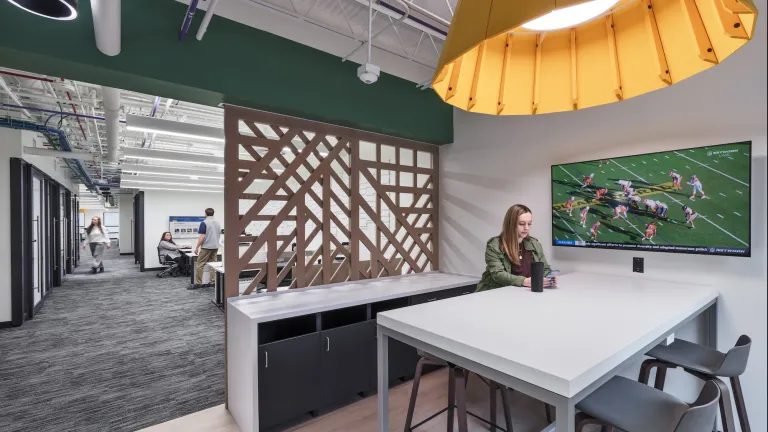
[(537, 276)]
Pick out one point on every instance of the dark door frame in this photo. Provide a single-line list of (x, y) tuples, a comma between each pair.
[(20, 241)]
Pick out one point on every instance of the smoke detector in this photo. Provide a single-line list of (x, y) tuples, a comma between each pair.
[(368, 73)]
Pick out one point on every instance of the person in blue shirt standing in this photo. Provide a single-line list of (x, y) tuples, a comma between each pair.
[(207, 246)]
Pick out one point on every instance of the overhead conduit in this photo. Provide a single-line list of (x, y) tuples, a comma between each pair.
[(111, 98)]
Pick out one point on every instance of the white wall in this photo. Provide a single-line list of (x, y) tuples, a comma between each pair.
[(126, 223), (159, 205), (496, 162)]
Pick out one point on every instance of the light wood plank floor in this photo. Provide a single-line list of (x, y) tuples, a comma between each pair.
[(361, 416)]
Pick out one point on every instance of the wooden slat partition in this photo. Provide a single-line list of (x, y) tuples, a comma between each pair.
[(332, 211)]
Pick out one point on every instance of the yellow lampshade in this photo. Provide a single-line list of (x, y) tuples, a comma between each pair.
[(492, 64)]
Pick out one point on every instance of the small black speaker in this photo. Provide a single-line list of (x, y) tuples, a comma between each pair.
[(537, 276)]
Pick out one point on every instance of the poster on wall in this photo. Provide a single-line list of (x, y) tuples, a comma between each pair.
[(184, 226), (694, 200)]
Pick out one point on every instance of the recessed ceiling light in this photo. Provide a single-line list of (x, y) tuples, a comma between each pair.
[(570, 16), (61, 10)]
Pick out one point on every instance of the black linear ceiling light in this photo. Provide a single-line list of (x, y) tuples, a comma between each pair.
[(62, 10)]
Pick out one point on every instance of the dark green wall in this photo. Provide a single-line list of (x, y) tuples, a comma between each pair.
[(234, 64)]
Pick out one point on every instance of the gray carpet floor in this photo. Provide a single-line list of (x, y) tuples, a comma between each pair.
[(116, 351)]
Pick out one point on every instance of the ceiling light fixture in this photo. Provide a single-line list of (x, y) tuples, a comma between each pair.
[(170, 156), (174, 189), (151, 182), (546, 56), (170, 171), (60, 10), (570, 16), (169, 127)]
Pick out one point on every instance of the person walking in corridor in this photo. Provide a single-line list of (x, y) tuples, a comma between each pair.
[(97, 236), (207, 246)]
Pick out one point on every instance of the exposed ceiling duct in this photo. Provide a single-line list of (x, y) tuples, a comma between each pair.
[(106, 25), (112, 119)]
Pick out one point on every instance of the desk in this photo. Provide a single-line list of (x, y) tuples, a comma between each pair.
[(557, 346), (192, 260), (294, 351)]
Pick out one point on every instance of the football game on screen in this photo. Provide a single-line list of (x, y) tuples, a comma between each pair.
[(692, 200)]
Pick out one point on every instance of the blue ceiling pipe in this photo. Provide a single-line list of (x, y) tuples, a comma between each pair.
[(78, 169), (188, 19)]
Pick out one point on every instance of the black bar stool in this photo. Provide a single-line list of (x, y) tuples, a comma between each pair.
[(457, 397), (706, 364)]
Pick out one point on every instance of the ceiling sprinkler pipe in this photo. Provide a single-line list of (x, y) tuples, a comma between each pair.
[(152, 114), (206, 19), (188, 19), (21, 75)]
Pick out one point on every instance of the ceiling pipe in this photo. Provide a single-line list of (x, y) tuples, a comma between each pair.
[(13, 97), (188, 19), (21, 75), (419, 21), (106, 25), (206, 19), (111, 98), (416, 23), (22, 107), (36, 151), (69, 96), (370, 25)]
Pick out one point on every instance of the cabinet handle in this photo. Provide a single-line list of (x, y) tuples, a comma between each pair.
[(327, 343), (266, 359), (432, 299)]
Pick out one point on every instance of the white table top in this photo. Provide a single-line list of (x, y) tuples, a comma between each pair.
[(563, 339), (285, 304)]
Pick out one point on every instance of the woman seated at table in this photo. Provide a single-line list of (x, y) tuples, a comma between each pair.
[(508, 256), (170, 250)]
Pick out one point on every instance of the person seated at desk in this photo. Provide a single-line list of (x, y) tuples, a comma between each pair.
[(508, 256), (170, 250)]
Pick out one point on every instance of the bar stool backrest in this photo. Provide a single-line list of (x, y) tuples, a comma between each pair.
[(702, 413), (735, 361)]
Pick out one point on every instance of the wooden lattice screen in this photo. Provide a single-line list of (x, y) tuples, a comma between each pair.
[(309, 203)]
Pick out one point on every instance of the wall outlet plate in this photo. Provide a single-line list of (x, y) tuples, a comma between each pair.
[(638, 265)]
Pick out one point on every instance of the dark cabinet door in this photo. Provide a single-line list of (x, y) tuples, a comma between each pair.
[(455, 292), (402, 360), (288, 383), (345, 361)]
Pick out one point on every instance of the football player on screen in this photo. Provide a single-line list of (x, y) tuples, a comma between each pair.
[(593, 230), (690, 215), (661, 209), (619, 210), (601, 162), (650, 231), (600, 193), (569, 205), (588, 180), (584, 214), (634, 201), (676, 179), (696, 187), (649, 205)]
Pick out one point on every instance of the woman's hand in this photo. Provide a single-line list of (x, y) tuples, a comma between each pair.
[(108, 246), (527, 282), (550, 282), (83, 245)]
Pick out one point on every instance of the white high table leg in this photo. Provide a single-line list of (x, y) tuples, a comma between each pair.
[(382, 349)]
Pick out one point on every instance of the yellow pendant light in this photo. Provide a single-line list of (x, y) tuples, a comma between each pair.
[(518, 57)]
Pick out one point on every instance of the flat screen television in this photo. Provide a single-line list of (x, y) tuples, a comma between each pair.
[(694, 200)]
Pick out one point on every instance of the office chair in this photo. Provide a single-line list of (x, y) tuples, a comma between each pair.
[(172, 268)]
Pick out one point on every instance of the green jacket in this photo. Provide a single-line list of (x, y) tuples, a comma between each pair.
[(498, 266)]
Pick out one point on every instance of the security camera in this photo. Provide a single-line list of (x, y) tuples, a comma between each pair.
[(368, 73)]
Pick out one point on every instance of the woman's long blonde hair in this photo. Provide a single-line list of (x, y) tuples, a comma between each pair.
[(508, 240)]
